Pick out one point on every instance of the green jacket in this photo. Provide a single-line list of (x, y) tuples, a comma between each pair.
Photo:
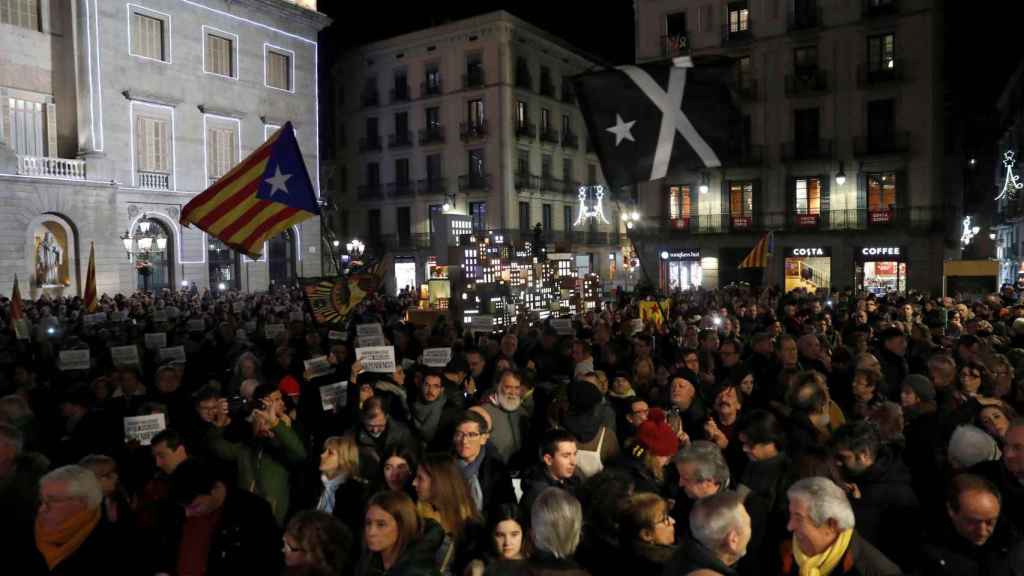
[(263, 463)]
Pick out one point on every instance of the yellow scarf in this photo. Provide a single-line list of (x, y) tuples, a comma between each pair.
[(823, 564), (57, 545)]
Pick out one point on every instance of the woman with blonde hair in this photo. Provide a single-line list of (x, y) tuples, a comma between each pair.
[(317, 539), (647, 533), (443, 495), (345, 490)]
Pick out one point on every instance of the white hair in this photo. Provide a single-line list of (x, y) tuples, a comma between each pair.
[(712, 518), (82, 483), (557, 520), (710, 464), (824, 501)]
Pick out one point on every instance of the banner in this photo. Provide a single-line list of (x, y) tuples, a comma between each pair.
[(125, 356), (74, 360), (377, 359), (156, 340), (172, 354), (334, 396), (651, 311), (143, 428), (437, 357)]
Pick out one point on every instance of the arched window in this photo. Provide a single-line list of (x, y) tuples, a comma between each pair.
[(223, 265), (153, 246)]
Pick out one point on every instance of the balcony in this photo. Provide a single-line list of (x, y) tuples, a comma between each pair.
[(526, 131), (369, 192), (673, 45), (473, 130), (746, 88), (745, 155), (370, 98), (737, 37), (474, 182), (551, 184), (568, 96), (473, 78), (875, 9), (400, 93), (42, 166), (570, 140), (819, 149), (153, 180), (915, 218), (430, 186), (400, 189), (892, 144), (525, 181), (807, 82), (547, 89), (804, 20), (369, 143), (432, 88), (524, 79), (549, 135), (432, 135), (571, 188), (877, 73), (400, 140)]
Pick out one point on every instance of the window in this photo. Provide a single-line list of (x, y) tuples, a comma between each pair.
[(743, 70), (741, 198), (475, 112), (476, 164), (402, 170), (221, 150), (522, 114), (372, 130), (478, 213), (220, 55), (739, 17), (27, 123), (374, 224), (679, 202), (805, 129), (434, 210), (881, 120), (808, 196), (372, 174), (546, 219), (568, 171), (22, 13), (432, 79), (566, 124), (401, 86), (434, 168), (433, 117), (474, 71), (152, 145), (881, 191), (403, 221), (567, 217), (881, 52), (675, 25), (523, 162), (545, 166), (524, 216), (704, 18), (401, 126), (279, 69), (545, 119), (148, 36), (547, 87), (805, 59)]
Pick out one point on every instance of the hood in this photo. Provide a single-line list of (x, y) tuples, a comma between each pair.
[(584, 425)]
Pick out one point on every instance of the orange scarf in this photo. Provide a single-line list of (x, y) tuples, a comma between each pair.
[(57, 545)]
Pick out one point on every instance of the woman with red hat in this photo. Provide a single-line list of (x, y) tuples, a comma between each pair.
[(650, 452)]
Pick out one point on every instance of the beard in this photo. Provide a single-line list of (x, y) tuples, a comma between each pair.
[(509, 402)]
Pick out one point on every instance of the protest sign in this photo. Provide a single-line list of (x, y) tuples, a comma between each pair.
[(437, 357), (272, 330), (143, 428), (160, 316), (562, 326), (369, 330), (125, 356), (156, 340), (318, 366), (377, 358), (97, 318), (334, 395), (371, 341), (119, 316), (74, 359), (637, 325), (172, 354), (481, 323)]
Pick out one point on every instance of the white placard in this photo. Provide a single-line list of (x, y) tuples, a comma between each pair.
[(156, 340), (125, 355), (296, 317), (197, 325), (143, 428), (337, 336), (97, 318), (369, 330), (160, 316), (250, 326), (334, 395), (371, 341), (172, 354), (481, 323), (272, 330), (119, 316), (377, 358), (563, 326), (74, 359), (437, 357), (517, 488), (318, 366)]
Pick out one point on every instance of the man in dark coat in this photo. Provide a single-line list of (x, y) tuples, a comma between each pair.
[(1008, 473), (433, 414), (557, 468), (378, 432), (223, 530), (721, 532), (978, 539), (892, 353), (489, 482)]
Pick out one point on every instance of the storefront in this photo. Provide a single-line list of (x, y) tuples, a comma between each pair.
[(681, 269), (880, 269), (809, 268), (405, 273)]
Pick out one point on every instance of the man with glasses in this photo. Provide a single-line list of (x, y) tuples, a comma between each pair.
[(489, 482)]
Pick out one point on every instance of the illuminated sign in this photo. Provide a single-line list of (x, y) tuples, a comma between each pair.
[(812, 252), (880, 251)]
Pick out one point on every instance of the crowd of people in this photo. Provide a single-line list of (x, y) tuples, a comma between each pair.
[(742, 432)]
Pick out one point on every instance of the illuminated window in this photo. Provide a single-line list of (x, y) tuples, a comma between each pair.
[(808, 196), (881, 191), (741, 198), (679, 202), (881, 52), (739, 17)]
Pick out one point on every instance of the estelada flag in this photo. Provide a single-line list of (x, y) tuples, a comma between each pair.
[(758, 257), (331, 301), (89, 296), (18, 320), (266, 193), (651, 310)]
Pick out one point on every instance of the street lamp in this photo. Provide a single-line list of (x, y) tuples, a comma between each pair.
[(841, 175), (703, 183), (355, 248)]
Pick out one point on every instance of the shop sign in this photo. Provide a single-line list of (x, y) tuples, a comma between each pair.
[(818, 251), (681, 223), (807, 220), (742, 222), (879, 216), (881, 251), (693, 254)]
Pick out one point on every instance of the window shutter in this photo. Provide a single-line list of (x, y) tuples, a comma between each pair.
[(826, 190), (140, 144), (51, 130)]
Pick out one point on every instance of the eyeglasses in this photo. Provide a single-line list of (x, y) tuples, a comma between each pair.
[(467, 435)]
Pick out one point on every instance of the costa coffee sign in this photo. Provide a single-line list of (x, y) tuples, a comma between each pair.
[(880, 252), (813, 252)]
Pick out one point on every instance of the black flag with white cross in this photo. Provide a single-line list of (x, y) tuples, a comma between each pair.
[(646, 120)]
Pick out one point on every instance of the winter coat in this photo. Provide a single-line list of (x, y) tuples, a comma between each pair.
[(947, 553), (495, 483), (537, 481), (416, 560), (396, 434), (509, 431), (101, 553), (861, 559), (1010, 487), (894, 371), (887, 511), (645, 558), (693, 556)]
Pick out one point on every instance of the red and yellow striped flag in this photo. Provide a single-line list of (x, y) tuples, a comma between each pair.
[(758, 257), (18, 320), (89, 296), (266, 193)]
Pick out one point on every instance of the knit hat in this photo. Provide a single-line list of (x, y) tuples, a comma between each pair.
[(921, 386), (970, 445), (583, 395), (656, 436)]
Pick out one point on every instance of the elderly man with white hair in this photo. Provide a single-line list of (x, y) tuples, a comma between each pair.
[(720, 529), (556, 522), (824, 540), (70, 534)]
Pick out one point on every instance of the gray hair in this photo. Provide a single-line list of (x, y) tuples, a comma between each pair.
[(825, 500), (82, 483), (12, 436), (712, 518), (557, 520), (709, 460)]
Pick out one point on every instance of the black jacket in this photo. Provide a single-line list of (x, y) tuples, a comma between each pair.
[(537, 481), (887, 511), (1011, 489), (692, 556), (101, 553), (644, 558), (894, 371), (495, 483), (416, 560), (396, 434), (948, 553)]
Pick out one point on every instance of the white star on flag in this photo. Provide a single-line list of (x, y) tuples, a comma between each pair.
[(277, 181), (622, 130)]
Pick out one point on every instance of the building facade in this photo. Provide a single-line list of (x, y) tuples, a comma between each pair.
[(1008, 223), (476, 117), (116, 114), (840, 151)]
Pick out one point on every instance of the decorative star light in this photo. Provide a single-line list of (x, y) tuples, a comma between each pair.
[(622, 130), (1012, 182), (277, 181), (597, 211), (969, 231)]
